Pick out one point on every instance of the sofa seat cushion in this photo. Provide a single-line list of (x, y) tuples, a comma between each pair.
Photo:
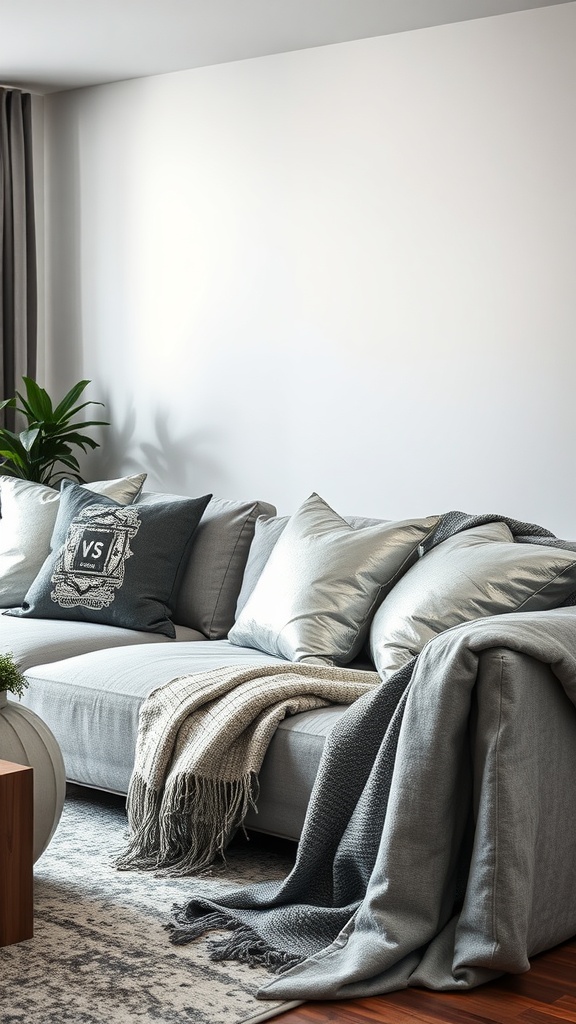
[(289, 772), (35, 641), (91, 704)]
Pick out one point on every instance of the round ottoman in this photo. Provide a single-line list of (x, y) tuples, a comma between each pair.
[(26, 739)]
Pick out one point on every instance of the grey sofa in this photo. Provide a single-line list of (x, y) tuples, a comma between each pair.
[(445, 800), (88, 681)]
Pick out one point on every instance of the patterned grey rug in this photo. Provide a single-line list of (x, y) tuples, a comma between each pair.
[(100, 954)]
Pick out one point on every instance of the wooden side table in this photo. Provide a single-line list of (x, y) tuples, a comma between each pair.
[(16, 853)]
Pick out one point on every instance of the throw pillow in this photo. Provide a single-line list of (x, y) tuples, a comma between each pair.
[(322, 582), (213, 573), (266, 533), (114, 564), (29, 513), (473, 574)]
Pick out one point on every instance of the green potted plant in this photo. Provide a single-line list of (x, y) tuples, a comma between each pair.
[(44, 450), (11, 679)]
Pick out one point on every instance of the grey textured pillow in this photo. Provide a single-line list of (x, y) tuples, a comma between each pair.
[(29, 513), (213, 573), (114, 564), (471, 575), (322, 582)]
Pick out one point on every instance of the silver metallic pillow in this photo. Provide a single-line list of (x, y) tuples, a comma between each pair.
[(266, 533), (471, 575), (322, 582)]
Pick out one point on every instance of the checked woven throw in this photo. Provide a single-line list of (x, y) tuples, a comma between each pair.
[(201, 742)]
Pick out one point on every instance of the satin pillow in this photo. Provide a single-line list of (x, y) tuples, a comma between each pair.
[(322, 582), (266, 533), (471, 575)]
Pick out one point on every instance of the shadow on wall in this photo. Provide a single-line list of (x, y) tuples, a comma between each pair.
[(182, 464), (178, 464), (113, 458)]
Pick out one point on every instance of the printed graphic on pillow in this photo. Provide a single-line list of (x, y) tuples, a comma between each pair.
[(114, 564), (90, 566)]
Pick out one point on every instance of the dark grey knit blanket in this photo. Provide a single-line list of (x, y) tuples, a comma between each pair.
[(435, 850)]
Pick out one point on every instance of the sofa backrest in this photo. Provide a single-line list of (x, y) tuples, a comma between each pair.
[(212, 577)]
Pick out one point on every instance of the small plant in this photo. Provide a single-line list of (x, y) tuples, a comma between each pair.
[(10, 677), (47, 443)]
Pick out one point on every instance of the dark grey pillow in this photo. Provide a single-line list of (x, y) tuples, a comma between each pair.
[(119, 565), (214, 569)]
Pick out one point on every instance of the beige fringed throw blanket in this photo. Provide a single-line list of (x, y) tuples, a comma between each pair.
[(201, 742)]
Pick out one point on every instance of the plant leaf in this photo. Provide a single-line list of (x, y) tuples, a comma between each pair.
[(12, 448), (9, 469), (65, 406), (44, 450), (38, 400), (27, 411), (82, 440), (70, 460), (49, 449), (74, 412), (28, 437), (8, 435), (80, 425)]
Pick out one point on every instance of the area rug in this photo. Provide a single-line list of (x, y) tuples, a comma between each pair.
[(100, 954)]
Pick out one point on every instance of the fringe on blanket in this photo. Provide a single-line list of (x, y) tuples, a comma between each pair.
[(186, 828), (243, 944)]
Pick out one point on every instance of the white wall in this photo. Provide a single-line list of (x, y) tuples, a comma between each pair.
[(348, 269)]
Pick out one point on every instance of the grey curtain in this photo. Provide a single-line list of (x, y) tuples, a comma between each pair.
[(18, 291)]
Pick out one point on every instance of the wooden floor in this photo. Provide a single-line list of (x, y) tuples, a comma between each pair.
[(544, 995)]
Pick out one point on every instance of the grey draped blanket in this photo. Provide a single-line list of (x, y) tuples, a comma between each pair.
[(438, 847)]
